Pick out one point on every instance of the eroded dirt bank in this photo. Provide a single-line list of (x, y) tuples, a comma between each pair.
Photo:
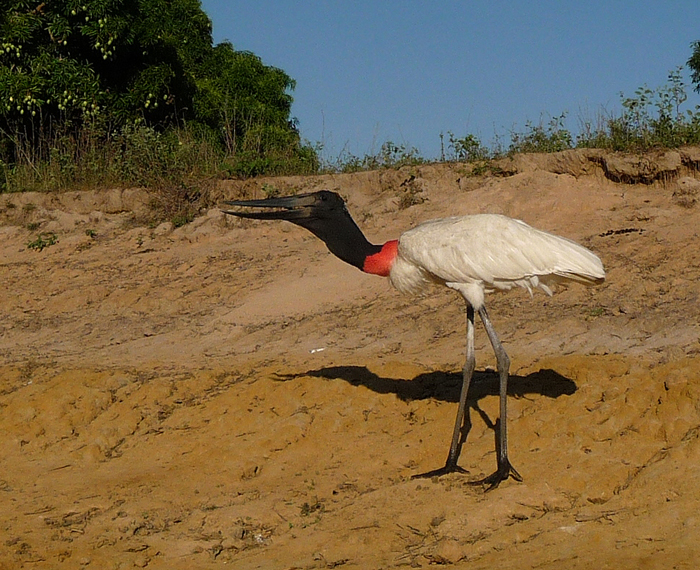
[(228, 392)]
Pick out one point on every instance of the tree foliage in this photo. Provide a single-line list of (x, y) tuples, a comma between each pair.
[(694, 65), (69, 63)]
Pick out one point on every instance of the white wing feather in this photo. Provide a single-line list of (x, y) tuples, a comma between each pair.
[(481, 253)]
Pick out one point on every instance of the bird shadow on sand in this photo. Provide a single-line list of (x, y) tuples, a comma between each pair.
[(445, 386)]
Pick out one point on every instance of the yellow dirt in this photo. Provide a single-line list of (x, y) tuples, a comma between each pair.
[(229, 392)]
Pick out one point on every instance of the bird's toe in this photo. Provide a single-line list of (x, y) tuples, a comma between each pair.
[(504, 471), (448, 468)]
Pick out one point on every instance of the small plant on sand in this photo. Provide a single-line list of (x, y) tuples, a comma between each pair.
[(270, 190), (43, 240), (411, 193)]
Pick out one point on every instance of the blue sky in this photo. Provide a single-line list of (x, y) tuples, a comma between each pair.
[(406, 71)]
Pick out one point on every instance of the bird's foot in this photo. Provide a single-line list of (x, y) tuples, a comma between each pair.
[(504, 471), (449, 467)]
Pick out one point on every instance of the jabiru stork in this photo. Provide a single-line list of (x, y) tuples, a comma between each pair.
[(473, 255)]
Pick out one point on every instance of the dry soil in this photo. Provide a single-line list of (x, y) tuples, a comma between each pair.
[(227, 392)]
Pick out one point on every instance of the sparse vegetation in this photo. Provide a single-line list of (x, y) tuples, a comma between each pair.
[(552, 137), (182, 219), (43, 240), (466, 149), (651, 118), (187, 110), (411, 193), (596, 312), (270, 190), (390, 155)]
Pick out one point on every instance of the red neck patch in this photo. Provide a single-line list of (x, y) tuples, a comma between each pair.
[(380, 263)]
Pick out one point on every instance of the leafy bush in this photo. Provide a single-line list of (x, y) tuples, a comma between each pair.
[(82, 83), (468, 148), (552, 137), (652, 118)]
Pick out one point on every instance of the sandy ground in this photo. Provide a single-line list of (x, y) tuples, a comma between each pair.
[(227, 392)]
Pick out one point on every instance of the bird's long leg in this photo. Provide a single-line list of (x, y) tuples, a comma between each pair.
[(505, 469), (467, 372)]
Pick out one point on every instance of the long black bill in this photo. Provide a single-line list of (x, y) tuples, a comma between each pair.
[(287, 208)]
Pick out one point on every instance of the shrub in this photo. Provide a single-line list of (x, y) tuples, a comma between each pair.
[(84, 83)]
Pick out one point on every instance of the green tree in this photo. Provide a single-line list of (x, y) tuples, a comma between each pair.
[(131, 58), (65, 64), (238, 93), (694, 65)]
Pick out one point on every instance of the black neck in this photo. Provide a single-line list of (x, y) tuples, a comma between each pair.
[(342, 236)]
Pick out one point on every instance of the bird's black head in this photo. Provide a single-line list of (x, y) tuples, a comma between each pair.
[(323, 213)]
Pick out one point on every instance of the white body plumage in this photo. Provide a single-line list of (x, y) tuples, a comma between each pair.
[(487, 252)]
